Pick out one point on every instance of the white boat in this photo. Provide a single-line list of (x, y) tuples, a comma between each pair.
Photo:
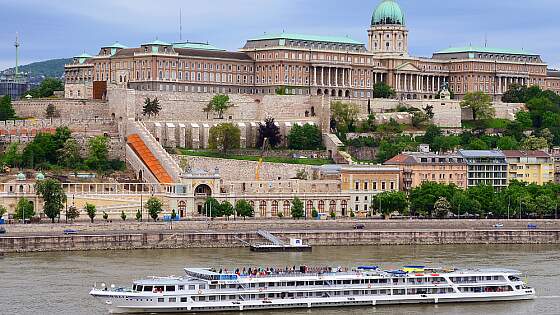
[(207, 290)]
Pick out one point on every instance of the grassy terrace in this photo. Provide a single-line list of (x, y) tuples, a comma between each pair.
[(495, 123), (269, 159)]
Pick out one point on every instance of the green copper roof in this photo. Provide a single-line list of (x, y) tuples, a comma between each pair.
[(200, 46), (311, 38), (84, 55), (20, 176), (157, 42), (115, 45), (388, 12), (473, 49)]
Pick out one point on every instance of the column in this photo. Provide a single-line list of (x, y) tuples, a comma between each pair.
[(499, 85), (336, 76), (343, 79), (315, 75), (329, 78), (350, 77), (418, 83), (438, 83), (433, 83), (381, 76), (322, 76)]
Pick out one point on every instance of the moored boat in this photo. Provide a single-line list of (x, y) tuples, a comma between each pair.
[(208, 290)]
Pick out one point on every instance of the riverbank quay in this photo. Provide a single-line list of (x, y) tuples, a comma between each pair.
[(216, 239), (276, 225)]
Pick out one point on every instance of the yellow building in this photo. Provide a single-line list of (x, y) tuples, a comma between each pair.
[(362, 182), (533, 167)]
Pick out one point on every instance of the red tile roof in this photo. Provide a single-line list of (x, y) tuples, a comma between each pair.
[(519, 153)]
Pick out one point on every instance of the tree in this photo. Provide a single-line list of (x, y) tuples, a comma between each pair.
[(3, 211), (477, 144), (306, 137), (547, 134), (69, 154), (480, 104), (46, 88), (442, 208), (270, 131), (507, 143), (424, 197), (98, 153), (12, 157), (91, 211), (462, 204), (151, 107), (244, 209), (524, 118), (516, 93), (154, 207), (7, 112), (227, 209), (24, 210), (429, 110), (123, 215), (51, 111), (219, 104), (419, 119), (73, 213), (54, 196), (389, 202), (224, 137), (211, 208), (545, 205), (138, 215), (314, 213), (105, 216), (534, 143), (432, 132), (382, 90), (297, 208), (344, 115)]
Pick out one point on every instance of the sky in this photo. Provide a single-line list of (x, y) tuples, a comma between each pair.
[(64, 28)]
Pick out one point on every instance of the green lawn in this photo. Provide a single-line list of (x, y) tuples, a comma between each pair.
[(486, 123), (270, 159)]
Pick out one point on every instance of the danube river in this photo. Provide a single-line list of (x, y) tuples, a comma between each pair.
[(58, 283)]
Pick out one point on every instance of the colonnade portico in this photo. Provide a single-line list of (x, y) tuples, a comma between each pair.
[(504, 81), (340, 76), (419, 83)]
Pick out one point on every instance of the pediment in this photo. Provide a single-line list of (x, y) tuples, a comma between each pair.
[(407, 66)]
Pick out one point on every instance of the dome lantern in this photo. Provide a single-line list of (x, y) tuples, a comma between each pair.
[(388, 12)]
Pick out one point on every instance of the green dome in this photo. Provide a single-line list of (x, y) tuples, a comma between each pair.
[(388, 12), (39, 176), (20, 176)]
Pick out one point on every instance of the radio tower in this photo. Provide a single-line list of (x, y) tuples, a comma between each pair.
[(16, 44)]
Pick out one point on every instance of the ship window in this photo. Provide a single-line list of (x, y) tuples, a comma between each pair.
[(158, 288), (184, 300), (147, 288), (181, 287), (212, 298), (261, 285), (202, 298), (160, 300), (191, 287), (170, 288), (172, 300)]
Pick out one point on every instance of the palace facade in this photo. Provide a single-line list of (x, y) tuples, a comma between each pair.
[(309, 65)]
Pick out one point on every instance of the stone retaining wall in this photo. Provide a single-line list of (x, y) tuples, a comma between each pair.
[(75, 109), (325, 238)]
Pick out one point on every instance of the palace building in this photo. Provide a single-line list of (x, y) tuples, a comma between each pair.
[(339, 67)]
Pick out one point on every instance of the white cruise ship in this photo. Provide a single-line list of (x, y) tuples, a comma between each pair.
[(208, 290)]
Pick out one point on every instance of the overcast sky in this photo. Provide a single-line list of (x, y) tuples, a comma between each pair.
[(64, 28)]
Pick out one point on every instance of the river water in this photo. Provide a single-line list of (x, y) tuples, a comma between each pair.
[(58, 283)]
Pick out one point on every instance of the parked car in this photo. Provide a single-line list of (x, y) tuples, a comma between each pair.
[(532, 226), (359, 227), (70, 232), (498, 225), (2, 230)]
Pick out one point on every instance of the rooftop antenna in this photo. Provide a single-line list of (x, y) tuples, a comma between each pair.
[(485, 39), (16, 44), (180, 24)]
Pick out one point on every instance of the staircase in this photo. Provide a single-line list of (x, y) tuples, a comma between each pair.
[(145, 153), (149, 160), (271, 238)]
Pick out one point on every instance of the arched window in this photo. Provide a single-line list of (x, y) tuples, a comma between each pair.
[(344, 207), (332, 206), (321, 206), (262, 208), (287, 208), (308, 208), (274, 210)]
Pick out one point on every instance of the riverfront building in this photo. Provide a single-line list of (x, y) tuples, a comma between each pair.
[(419, 167), (533, 167), (309, 65)]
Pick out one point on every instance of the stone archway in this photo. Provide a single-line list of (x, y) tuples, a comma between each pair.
[(319, 92), (182, 207), (333, 92), (201, 193), (339, 93), (347, 93)]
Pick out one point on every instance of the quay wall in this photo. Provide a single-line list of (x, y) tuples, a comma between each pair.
[(178, 239)]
